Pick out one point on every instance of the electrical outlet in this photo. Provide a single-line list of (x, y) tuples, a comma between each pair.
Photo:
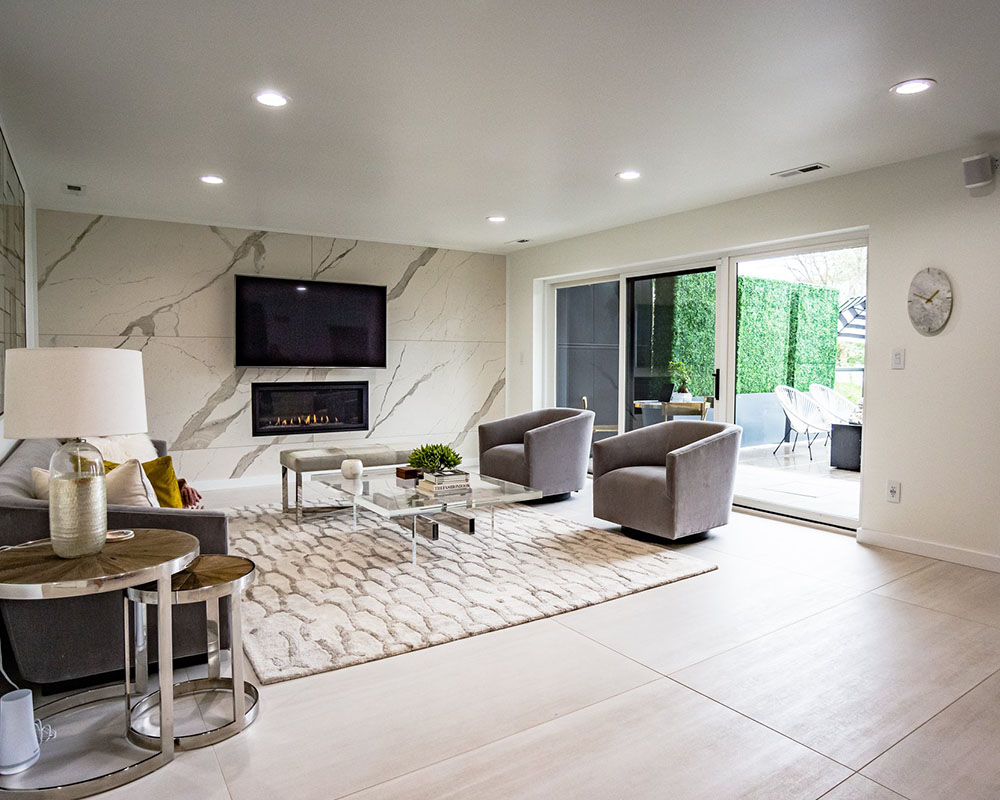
[(893, 489), (898, 360)]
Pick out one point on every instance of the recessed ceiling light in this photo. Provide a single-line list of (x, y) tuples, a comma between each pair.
[(915, 86), (300, 288), (213, 179), (496, 218), (628, 174), (272, 99)]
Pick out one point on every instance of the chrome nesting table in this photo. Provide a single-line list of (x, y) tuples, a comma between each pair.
[(34, 572), (208, 579)]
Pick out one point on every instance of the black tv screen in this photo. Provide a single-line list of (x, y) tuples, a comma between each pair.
[(290, 323)]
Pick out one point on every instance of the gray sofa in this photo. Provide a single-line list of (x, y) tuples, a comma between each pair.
[(546, 449), (673, 480), (60, 640)]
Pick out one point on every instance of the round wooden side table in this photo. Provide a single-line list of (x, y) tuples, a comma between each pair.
[(32, 571), (209, 579)]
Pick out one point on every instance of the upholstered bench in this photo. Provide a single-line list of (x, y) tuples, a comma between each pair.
[(325, 459)]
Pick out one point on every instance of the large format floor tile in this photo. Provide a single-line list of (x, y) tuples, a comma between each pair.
[(858, 787), (658, 741), (852, 681), (963, 591), (952, 756), (191, 774), (327, 735), (832, 557), (677, 625)]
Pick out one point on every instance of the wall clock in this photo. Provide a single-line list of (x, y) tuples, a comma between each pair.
[(929, 301)]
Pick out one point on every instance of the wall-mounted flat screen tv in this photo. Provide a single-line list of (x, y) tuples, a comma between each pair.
[(290, 323)]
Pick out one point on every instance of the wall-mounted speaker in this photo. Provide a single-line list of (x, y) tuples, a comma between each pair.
[(978, 170)]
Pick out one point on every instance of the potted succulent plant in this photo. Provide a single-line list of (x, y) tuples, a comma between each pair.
[(680, 374), (434, 458)]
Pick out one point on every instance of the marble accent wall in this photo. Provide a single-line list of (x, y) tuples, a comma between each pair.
[(167, 289)]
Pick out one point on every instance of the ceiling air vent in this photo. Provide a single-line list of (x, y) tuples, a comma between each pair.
[(76, 189), (518, 241), (788, 173)]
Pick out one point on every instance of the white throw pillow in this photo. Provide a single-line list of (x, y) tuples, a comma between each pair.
[(40, 482), (121, 448), (127, 485)]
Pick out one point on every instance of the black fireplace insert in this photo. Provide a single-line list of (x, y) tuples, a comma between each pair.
[(309, 407)]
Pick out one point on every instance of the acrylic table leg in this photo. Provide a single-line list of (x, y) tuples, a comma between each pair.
[(355, 524), (213, 637), (236, 658), (413, 537), (164, 621)]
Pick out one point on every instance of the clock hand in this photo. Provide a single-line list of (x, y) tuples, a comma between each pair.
[(936, 292), (925, 299)]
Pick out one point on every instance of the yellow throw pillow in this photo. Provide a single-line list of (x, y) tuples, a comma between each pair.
[(160, 472)]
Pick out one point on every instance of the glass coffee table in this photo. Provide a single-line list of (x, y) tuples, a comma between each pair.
[(380, 491)]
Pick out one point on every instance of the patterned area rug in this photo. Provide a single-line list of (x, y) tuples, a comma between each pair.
[(327, 597)]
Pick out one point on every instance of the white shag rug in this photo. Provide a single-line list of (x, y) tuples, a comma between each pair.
[(327, 597)]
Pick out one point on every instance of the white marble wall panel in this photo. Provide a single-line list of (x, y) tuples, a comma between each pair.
[(167, 289)]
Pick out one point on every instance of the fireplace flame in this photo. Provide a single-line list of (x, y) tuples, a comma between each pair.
[(306, 419)]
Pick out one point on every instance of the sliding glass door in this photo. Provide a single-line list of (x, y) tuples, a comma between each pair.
[(587, 351), (799, 380), (671, 358)]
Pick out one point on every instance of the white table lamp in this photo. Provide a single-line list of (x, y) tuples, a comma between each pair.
[(72, 393)]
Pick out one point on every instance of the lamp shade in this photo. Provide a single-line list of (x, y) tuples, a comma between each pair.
[(73, 392)]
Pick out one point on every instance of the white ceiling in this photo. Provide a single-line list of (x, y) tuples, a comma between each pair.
[(411, 121)]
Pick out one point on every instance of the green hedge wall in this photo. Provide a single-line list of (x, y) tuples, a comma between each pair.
[(693, 340), (815, 337), (763, 324), (786, 334)]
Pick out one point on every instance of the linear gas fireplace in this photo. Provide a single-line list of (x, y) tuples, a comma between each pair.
[(314, 407)]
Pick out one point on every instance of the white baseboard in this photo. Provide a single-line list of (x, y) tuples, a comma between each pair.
[(919, 547)]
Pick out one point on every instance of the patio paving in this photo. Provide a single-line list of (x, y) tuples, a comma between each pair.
[(790, 483)]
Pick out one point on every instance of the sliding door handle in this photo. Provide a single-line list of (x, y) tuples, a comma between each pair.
[(717, 385)]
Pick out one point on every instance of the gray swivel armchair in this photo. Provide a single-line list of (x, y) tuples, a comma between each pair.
[(673, 480), (547, 449)]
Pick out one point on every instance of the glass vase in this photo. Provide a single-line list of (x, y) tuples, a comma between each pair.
[(78, 504)]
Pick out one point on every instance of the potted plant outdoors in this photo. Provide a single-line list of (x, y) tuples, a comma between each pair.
[(680, 374)]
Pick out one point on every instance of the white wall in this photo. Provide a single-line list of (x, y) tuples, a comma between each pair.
[(934, 425)]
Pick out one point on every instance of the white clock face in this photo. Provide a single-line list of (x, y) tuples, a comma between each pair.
[(929, 301)]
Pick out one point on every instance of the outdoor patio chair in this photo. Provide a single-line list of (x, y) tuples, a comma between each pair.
[(837, 407), (804, 415)]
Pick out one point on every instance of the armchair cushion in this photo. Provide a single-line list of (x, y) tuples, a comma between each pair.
[(507, 462)]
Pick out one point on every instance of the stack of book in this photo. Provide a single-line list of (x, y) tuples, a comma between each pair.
[(442, 483)]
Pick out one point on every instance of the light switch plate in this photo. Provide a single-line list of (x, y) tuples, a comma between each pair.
[(898, 358)]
